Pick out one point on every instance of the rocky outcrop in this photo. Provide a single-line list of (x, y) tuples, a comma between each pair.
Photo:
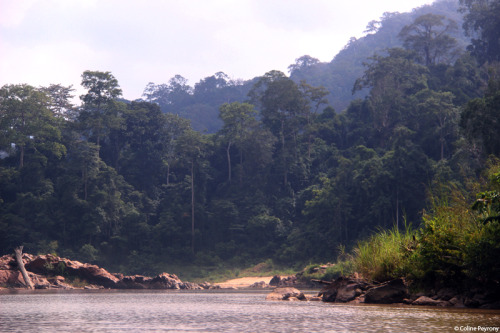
[(93, 274), (285, 294), (284, 281), (344, 289), (48, 271), (394, 291), (356, 290)]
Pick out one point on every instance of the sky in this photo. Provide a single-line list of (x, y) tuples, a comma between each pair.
[(46, 42)]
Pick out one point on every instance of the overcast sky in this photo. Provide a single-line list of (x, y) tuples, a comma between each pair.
[(54, 41)]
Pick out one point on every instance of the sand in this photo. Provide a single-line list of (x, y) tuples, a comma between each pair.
[(244, 282)]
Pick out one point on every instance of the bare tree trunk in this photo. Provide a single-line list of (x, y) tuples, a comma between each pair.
[(18, 251)]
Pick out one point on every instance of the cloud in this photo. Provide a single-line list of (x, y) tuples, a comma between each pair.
[(54, 41)]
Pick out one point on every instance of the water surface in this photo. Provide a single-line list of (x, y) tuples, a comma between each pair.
[(167, 311)]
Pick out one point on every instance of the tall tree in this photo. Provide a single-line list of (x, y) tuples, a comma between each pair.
[(236, 117), (482, 23), (191, 147), (392, 79), (429, 36), (60, 100), (282, 105), (102, 90), (27, 123)]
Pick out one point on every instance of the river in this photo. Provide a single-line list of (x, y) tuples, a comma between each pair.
[(221, 311)]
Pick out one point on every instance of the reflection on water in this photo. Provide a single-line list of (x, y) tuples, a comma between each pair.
[(131, 311)]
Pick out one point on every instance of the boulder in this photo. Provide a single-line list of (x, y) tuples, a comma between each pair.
[(283, 281), (165, 281), (39, 282), (284, 294), (11, 278), (275, 281), (258, 285), (394, 291), (344, 289), (424, 300), (133, 282)]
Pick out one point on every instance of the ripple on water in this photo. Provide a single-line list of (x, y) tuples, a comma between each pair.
[(112, 311)]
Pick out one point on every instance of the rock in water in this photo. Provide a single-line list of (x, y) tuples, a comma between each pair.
[(285, 294)]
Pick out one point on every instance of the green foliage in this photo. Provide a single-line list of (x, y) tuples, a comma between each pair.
[(385, 255), (126, 185), (88, 253)]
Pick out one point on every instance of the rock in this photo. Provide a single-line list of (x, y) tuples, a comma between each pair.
[(446, 294), (11, 278), (59, 282), (39, 281), (8, 262), (165, 281), (394, 291), (275, 281), (344, 289), (424, 300), (171, 281), (493, 305), (457, 302), (258, 285), (50, 264), (283, 281), (284, 294), (207, 285), (133, 282), (190, 286), (476, 300)]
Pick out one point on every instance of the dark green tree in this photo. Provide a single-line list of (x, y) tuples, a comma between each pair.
[(429, 36), (482, 23)]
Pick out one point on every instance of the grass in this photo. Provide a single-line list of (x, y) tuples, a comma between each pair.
[(385, 255)]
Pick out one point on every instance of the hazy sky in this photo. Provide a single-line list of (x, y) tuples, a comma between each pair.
[(54, 41)]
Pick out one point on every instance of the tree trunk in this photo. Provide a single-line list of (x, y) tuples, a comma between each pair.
[(21, 157), (18, 251), (285, 179), (192, 207), (168, 174), (228, 152)]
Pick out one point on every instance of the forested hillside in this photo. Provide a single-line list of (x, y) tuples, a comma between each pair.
[(200, 103), (132, 186)]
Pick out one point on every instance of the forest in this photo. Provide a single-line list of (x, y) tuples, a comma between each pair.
[(233, 173)]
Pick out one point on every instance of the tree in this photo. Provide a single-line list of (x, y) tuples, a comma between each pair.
[(26, 122), (175, 127), (60, 100), (392, 78), (282, 105), (236, 117), (429, 37), (102, 90), (437, 119), (482, 23), (302, 63), (190, 145), (480, 121)]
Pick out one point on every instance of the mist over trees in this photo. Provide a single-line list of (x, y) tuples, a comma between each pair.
[(239, 172)]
